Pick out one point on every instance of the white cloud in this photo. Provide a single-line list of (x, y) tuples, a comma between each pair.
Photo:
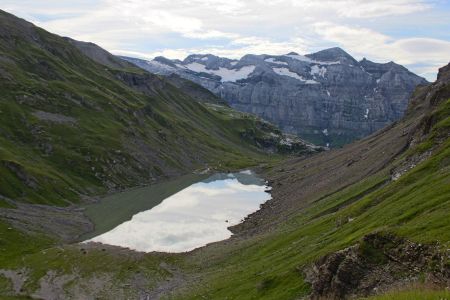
[(238, 48), (134, 54), (365, 8), (363, 42), (236, 27)]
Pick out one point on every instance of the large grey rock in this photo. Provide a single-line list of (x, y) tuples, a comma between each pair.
[(326, 97)]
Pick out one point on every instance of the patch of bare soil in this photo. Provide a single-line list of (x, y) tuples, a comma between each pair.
[(17, 278), (65, 223)]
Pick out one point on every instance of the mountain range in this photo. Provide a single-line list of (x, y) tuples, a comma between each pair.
[(327, 98), (366, 221), (114, 124)]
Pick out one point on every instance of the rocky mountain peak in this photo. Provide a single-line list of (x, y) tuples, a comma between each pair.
[(333, 54), (98, 54), (444, 73), (166, 61), (196, 57), (327, 96), (209, 60)]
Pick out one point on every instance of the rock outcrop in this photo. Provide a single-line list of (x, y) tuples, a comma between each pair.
[(378, 263), (326, 97)]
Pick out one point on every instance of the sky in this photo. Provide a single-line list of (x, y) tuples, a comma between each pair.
[(414, 33)]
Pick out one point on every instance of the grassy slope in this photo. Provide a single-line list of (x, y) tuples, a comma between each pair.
[(110, 136), (265, 265), (268, 265), (420, 294), (118, 137)]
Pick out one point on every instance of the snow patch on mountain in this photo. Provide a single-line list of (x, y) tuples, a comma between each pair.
[(300, 57), (197, 67), (274, 61), (160, 68), (311, 61), (318, 71), (226, 75), (287, 72)]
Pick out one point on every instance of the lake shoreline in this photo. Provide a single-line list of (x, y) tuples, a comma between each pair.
[(192, 198)]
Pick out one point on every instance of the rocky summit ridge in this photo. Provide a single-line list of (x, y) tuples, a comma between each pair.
[(327, 97)]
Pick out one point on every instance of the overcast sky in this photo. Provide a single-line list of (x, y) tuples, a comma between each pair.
[(415, 33)]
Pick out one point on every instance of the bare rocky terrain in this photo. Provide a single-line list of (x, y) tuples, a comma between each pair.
[(327, 97)]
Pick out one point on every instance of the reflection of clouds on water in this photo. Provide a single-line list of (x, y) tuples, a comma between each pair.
[(248, 172), (244, 177), (193, 217)]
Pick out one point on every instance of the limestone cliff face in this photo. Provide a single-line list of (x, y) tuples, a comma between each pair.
[(327, 97)]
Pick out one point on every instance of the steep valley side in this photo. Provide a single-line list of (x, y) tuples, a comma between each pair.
[(368, 219), (383, 210), (72, 127), (75, 123), (328, 97)]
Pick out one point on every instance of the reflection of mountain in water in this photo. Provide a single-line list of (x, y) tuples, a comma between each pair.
[(245, 177)]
